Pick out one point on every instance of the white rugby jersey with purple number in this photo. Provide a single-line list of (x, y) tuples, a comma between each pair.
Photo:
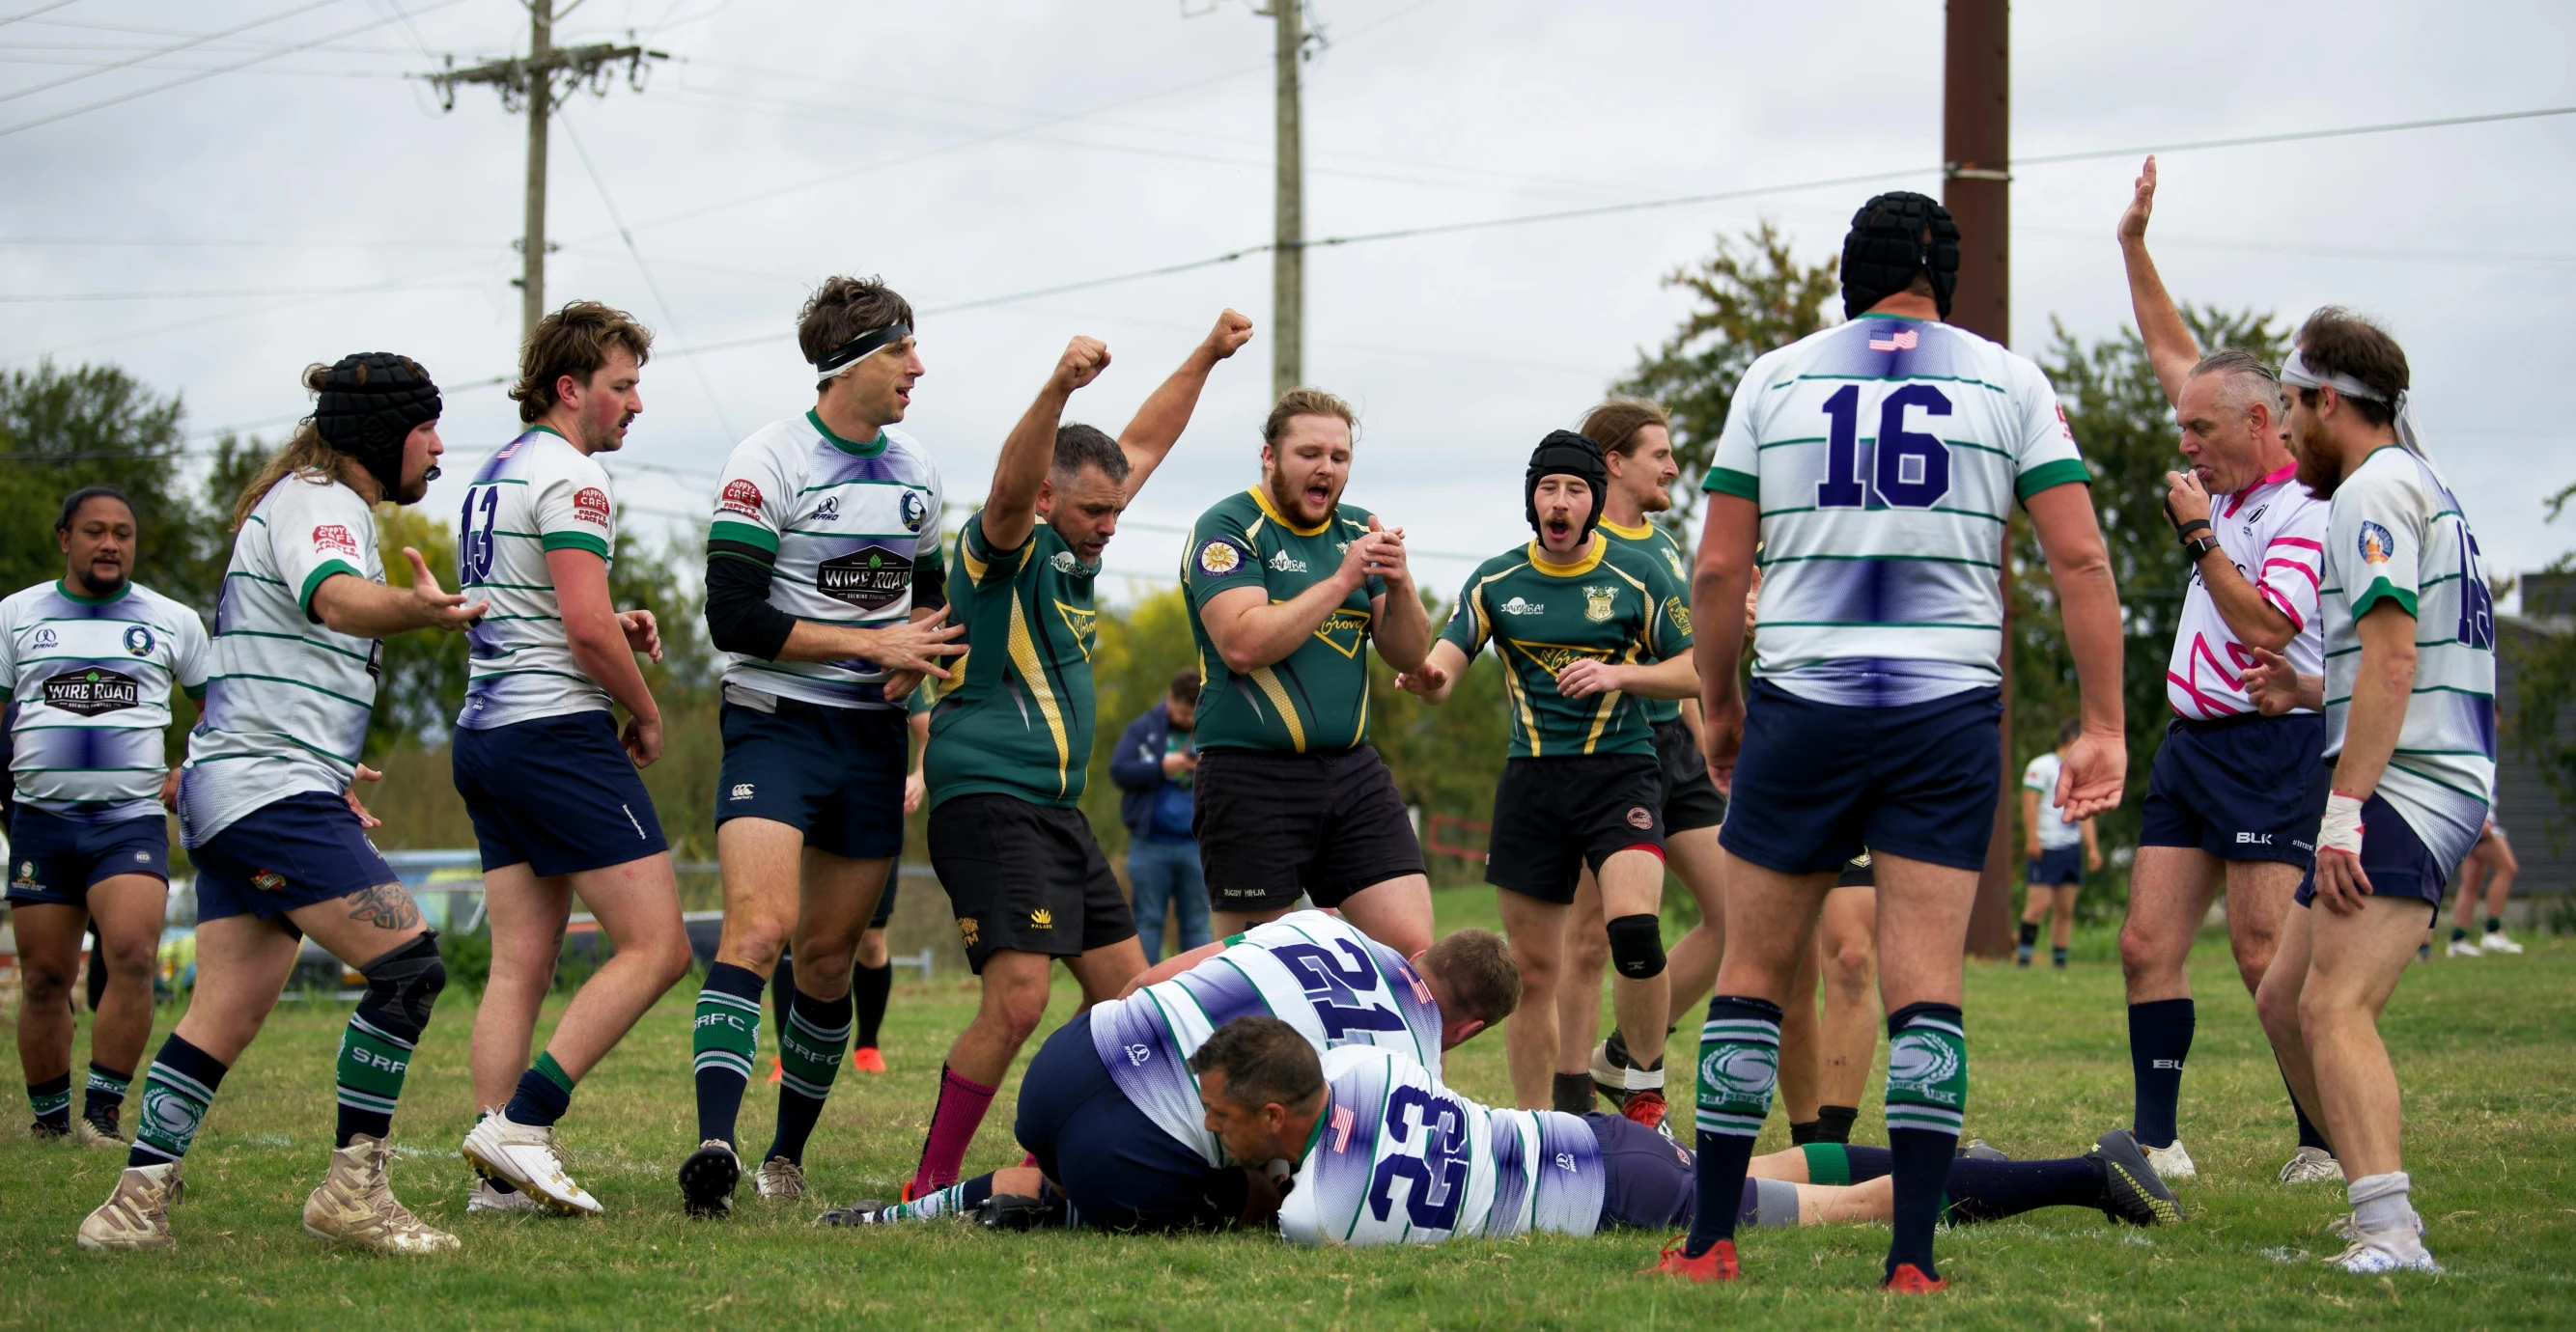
[(1309, 969), (535, 494), (2274, 531), (1399, 1159), (92, 681)]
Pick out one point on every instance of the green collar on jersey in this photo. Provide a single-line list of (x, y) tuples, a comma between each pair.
[(536, 426), (1316, 1134), (64, 586), (868, 450)]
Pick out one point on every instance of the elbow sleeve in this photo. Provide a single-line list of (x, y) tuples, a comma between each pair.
[(739, 616), (929, 583)]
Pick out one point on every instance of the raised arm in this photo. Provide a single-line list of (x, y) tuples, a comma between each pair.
[(1157, 425), (2088, 599), (2170, 348), (1011, 507)]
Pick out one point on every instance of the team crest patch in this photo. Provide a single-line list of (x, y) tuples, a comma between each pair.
[(1739, 1073), (1219, 558), (590, 505), (333, 536), (1920, 1063), (969, 930), (268, 881), (1041, 919), (1599, 604), (26, 874), (1678, 613), (916, 510), (1639, 819), (2377, 547), (138, 640), (740, 496), (1676, 562)]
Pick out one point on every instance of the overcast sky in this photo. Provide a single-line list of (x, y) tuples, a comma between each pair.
[(318, 202)]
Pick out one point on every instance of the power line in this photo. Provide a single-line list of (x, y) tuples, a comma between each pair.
[(670, 317), (171, 50), (229, 294), (202, 75), (28, 14)]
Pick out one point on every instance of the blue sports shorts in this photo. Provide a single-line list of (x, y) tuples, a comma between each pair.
[(1118, 1169), (54, 859), (2396, 861), (555, 793), (306, 848), (1817, 782), (2056, 865), (2238, 788), (834, 774)]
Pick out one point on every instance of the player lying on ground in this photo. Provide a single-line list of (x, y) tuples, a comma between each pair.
[(1111, 1109), (1369, 1148)]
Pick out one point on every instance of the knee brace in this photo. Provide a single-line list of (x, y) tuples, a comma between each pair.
[(403, 984), (1637, 946)]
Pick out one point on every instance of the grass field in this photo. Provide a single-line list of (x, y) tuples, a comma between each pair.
[(2483, 1048)]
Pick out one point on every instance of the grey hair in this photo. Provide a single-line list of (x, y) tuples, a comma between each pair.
[(2247, 375), (1080, 446)]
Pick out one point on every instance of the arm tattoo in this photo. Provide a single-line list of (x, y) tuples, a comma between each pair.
[(385, 906)]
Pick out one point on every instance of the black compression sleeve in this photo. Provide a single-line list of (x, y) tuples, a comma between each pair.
[(739, 616), (929, 583)]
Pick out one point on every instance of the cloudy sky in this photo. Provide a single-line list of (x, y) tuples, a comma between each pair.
[(296, 196)]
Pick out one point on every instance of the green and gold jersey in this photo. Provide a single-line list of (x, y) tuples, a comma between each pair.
[(1315, 700), (1016, 716), (1616, 604), (1659, 547)]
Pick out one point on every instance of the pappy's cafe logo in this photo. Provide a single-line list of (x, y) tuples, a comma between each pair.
[(870, 578), (334, 537), (91, 691), (1598, 604), (740, 496), (590, 505)]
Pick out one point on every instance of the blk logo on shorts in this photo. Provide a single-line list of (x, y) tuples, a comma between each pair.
[(2253, 839)]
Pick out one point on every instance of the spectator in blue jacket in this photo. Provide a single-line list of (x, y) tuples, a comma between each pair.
[(1153, 765)]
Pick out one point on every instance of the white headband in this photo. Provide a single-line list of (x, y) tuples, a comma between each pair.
[(2296, 374)]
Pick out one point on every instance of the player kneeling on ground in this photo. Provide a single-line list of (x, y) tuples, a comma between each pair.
[(1110, 1108), (279, 843)]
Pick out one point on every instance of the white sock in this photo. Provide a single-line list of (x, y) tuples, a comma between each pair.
[(2380, 1205)]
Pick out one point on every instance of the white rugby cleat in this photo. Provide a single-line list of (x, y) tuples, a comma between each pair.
[(2172, 1162), (2392, 1251), (2461, 948), (2498, 943), (779, 1180), (486, 1198), (525, 1155), (2312, 1166)]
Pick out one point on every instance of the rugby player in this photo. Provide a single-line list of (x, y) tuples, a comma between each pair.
[(2409, 701), (1287, 587), (2227, 799), (1588, 631), (1875, 462), (89, 660), (547, 775), (1110, 1105), (824, 591), (2492, 859), (2060, 854), (278, 841), (1011, 739), (1379, 1152), (1636, 443)]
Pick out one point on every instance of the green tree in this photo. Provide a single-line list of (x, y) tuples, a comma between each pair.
[(2125, 428), (1753, 296), (96, 425), (2544, 663)]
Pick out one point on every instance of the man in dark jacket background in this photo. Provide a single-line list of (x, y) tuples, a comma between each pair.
[(1154, 764)]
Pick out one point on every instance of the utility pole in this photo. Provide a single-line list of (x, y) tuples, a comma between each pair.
[(1288, 226), (537, 84), (1976, 152)]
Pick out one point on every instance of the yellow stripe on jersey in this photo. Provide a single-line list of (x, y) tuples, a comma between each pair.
[(1278, 693), (1024, 655), (1608, 707)]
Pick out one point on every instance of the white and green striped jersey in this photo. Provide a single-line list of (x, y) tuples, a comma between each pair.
[(91, 677), (1885, 454), (536, 494), (1397, 1158), (841, 525), (2395, 534), (287, 704)]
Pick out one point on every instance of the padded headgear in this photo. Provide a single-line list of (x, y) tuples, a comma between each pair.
[(1565, 453), (1887, 246), (370, 402)]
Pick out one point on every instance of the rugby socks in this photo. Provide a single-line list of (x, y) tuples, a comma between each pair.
[(104, 1098), (2057, 958), (2495, 924), (1739, 1063), (1927, 1092), (817, 1035), (1993, 1190), (1570, 1093), (952, 1130), (51, 1099), (2459, 933), (1834, 1122), (869, 989), (176, 1091), (727, 1032), (950, 1201), (2309, 1134), (2380, 1205), (2029, 943), (375, 1055), (2159, 1039), (545, 1093)]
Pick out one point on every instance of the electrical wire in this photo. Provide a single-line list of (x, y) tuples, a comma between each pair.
[(279, 16), (670, 317)]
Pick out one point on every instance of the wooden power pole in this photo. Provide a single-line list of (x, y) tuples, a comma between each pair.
[(537, 84), (1288, 227), (1976, 151)]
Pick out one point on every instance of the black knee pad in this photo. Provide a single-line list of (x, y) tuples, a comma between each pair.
[(403, 984), (1637, 946)]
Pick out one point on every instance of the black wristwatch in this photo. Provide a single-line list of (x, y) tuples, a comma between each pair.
[(2196, 546)]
